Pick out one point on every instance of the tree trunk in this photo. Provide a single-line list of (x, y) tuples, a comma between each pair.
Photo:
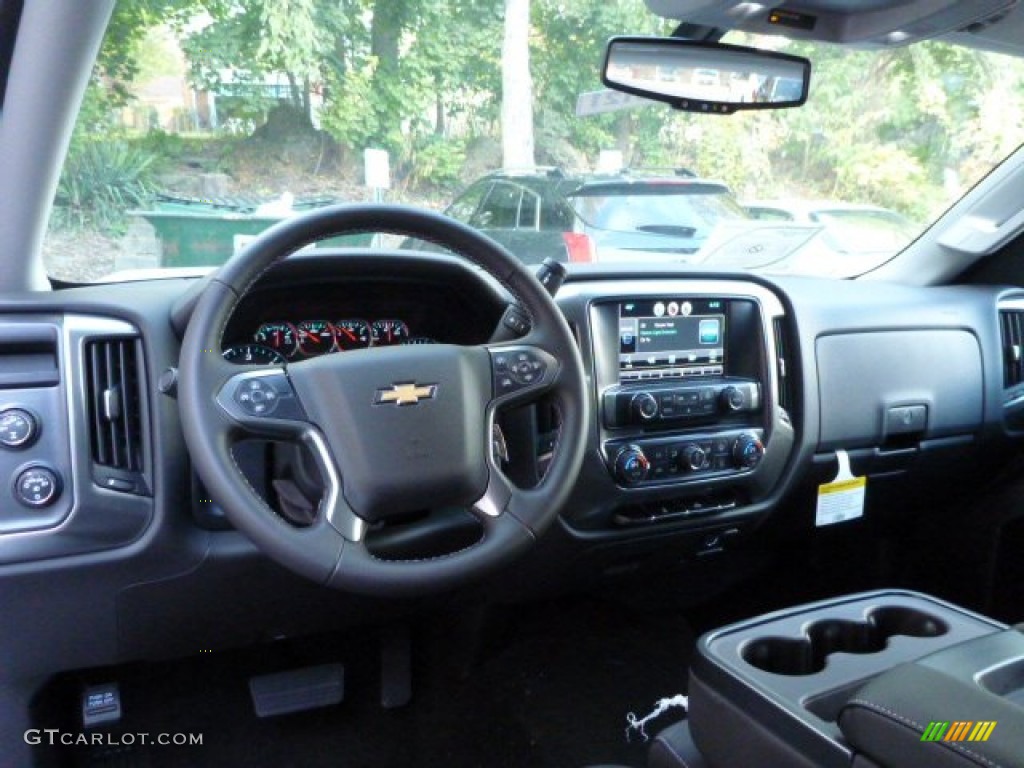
[(624, 138), (385, 36), (517, 87)]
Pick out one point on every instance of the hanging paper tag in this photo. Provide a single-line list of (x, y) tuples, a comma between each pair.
[(843, 498)]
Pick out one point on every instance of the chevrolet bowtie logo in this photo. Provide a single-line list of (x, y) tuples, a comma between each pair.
[(405, 394)]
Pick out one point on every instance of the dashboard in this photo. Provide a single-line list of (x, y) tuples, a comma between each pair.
[(718, 405)]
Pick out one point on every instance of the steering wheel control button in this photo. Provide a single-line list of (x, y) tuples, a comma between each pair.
[(37, 487), (18, 428), (516, 320), (526, 367), (514, 369), (262, 395), (256, 397)]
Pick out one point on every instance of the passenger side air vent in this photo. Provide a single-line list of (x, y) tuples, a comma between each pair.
[(784, 366), (1011, 326), (114, 375)]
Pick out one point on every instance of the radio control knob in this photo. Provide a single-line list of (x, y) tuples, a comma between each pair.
[(645, 405), (733, 399), (631, 466), (747, 451), (693, 457)]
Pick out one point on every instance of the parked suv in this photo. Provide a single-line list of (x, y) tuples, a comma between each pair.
[(596, 217)]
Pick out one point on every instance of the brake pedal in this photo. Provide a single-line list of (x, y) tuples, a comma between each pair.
[(297, 690)]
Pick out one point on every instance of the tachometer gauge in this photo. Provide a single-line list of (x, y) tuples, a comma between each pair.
[(253, 354), (316, 337), (387, 332), (280, 337), (352, 334)]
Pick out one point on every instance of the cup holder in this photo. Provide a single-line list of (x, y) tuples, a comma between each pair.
[(896, 620), (807, 655)]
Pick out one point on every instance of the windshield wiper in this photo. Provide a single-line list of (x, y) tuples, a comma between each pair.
[(675, 230)]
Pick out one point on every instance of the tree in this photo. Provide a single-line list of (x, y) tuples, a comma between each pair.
[(517, 87)]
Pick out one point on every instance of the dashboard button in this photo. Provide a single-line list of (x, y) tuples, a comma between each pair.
[(37, 487), (18, 428), (645, 405), (747, 452), (257, 397)]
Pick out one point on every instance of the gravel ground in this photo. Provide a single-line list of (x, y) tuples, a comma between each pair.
[(80, 257)]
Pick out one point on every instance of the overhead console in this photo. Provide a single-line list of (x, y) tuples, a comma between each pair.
[(887, 25)]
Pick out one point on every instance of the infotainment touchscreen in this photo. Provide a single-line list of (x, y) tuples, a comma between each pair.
[(671, 338)]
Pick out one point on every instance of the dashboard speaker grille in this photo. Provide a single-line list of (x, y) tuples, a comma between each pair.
[(1011, 325), (113, 373)]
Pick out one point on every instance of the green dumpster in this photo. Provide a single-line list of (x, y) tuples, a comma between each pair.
[(206, 232)]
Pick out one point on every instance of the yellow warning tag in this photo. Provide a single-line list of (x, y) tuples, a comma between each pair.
[(843, 498)]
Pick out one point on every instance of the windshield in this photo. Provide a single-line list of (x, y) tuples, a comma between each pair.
[(202, 128)]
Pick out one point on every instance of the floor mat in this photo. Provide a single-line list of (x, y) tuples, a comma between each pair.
[(553, 690)]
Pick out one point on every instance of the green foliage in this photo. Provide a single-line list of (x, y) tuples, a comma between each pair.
[(905, 128), (438, 163), (100, 182)]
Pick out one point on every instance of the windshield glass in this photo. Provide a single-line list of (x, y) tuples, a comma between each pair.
[(203, 127)]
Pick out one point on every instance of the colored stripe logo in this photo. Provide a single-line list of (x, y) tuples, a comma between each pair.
[(958, 730)]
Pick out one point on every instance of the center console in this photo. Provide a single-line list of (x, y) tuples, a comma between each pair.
[(786, 681), (688, 390)]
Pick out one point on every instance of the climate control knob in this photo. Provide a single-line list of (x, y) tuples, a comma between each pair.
[(733, 399), (631, 466), (645, 405), (693, 458), (747, 451)]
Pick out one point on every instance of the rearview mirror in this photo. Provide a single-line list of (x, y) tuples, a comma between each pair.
[(705, 77)]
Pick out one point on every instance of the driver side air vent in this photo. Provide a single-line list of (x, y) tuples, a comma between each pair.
[(1011, 326), (114, 376)]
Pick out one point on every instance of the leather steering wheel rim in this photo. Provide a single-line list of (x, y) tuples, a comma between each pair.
[(215, 412)]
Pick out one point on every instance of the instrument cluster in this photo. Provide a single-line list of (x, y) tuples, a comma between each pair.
[(278, 342)]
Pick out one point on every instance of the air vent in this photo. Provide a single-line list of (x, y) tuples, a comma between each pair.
[(784, 366), (114, 374), (1011, 325)]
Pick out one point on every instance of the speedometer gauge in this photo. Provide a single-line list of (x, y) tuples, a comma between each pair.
[(352, 334), (280, 337), (316, 337), (253, 354), (387, 332)]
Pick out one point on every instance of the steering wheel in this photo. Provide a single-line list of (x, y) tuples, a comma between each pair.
[(391, 429)]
